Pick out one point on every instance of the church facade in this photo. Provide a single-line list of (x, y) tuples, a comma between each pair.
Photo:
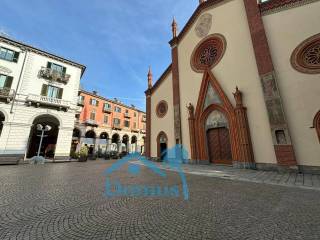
[(243, 87)]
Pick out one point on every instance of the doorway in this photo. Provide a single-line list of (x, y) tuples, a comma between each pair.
[(219, 146)]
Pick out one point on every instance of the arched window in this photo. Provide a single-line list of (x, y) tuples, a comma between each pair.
[(316, 124), (2, 119)]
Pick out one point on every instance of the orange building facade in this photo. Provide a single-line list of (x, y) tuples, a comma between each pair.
[(108, 125)]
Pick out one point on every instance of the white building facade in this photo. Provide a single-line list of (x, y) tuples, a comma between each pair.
[(36, 87)]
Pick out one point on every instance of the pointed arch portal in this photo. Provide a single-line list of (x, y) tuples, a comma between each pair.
[(217, 132)]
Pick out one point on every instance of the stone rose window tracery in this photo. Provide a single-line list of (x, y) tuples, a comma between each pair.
[(208, 53), (162, 109), (306, 57)]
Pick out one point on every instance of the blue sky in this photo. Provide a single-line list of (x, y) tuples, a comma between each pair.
[(116, 39)]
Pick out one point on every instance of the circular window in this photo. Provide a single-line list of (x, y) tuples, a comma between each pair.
[(162, 109), (208, 53), (306, 57)]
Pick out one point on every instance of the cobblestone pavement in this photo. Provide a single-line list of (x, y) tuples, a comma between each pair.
[(300, 180), (66, 201)]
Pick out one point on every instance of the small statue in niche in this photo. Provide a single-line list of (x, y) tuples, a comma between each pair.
[(191, 110)]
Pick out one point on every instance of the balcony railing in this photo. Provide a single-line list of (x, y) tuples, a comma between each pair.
[(80, 103), (6, 93), (117, 126), (48, 101), (54, 75), (107, 109), (90, 122), (127, 115)]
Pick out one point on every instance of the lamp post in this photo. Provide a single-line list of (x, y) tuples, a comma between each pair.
[(43, 129)]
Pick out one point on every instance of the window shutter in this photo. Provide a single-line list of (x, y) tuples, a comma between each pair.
[(90, 101), (16, 57), (64, 70), (8, 82), (60, 93), (49, 65), (97, 103), (44, 90)]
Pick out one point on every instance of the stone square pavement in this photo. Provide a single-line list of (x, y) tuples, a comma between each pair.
[(300, 180)]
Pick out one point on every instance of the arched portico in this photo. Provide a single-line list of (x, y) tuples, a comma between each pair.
[(49, 142)]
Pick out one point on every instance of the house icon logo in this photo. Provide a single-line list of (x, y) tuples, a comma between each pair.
[(135, 162)]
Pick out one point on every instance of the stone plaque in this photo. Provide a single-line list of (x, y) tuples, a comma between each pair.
[(204, 25)]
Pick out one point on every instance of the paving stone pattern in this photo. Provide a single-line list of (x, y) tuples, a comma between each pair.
[(66, 201)]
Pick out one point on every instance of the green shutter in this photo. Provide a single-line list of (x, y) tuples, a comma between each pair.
[(90, 101), (16, 57), (49, 65), (8, 82), (44, 90), (97, 103), (60, 93), (64, 70)]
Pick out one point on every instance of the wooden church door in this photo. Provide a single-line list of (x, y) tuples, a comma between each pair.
[(219, 147)]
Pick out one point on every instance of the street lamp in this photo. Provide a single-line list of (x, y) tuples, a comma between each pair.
[(43, 129)]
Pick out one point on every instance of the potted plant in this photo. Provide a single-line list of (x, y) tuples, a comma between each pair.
[(83, 154)]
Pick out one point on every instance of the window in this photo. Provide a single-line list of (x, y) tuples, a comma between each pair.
[(51, 91), (116, 121), (56, 67), (105, 120), (126, 123), (93, 115), (107, 106), (5, 81), (127, 111), (81, 99), (144, 126), (9, 55), (117, 109), (135, 114), (135, 125), (94, 102)]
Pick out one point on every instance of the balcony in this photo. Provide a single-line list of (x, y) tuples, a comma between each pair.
[(143, 131), (144, 119), (127, 115), (91, 123), (47, 101), (54, 75), (80, 103), (6, 94), (135, 130), (117, 126), (107, 109)]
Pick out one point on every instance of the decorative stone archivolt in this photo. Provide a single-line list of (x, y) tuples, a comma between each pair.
[(162, 109), (216, 120), (306, 57), (208, 53)]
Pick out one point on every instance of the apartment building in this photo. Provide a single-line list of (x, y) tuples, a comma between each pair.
[(106, 125), (37, 89)]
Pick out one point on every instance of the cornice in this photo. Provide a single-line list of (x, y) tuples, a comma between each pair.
[(109, 100), (274, 6), (41, 52)]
